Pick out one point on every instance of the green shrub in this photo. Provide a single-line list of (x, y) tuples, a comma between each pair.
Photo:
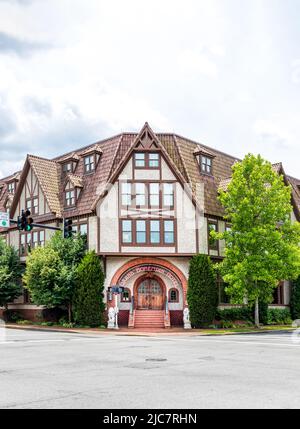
[(295, 299), (88, 306), (234, 314), (278, 316), (202, 295)]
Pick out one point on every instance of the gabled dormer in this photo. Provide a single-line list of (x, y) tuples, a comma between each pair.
[(91, 158), (72, 190), (205, 160), (69, 163)]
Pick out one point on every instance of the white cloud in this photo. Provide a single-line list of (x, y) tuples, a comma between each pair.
[(206, 69)]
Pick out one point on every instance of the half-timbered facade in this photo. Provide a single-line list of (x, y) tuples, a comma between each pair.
[(146, 202)]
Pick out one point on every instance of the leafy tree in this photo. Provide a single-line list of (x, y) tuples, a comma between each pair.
[(295, 299), (88, 295), (10, 274), (262, 246), (202, 294), (46, 277), (70, 251)]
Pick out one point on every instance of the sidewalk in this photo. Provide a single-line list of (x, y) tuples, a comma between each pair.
[(151, 332)]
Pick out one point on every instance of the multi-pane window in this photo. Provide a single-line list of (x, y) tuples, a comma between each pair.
[(67, 167), (89, 163), (35, 206), (153, 160), (154, 231), (154, 194), (127, 231), (206, 164), (35, 239), (126, 194), (141, 232), (212, 242), (11, 187), (31, 240), (70, 198), (83, 229), (42, 238), (168, 195), (148, 232), (146, 160), (140, 194), (28, 204), (169, 231), (140, 160)]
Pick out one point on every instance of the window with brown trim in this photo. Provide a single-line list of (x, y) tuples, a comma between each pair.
[(126, 194), (32, 204), (173, 296), (30, 240), (149, 160), (140, 194), (150, 232), (89, 163), (11, 187), (126, 295), (127, 231), (70, 198), (168, 195), (140, 160), (68, 167), (205, 164), (212, 243), (147, 195), (154, 195), (141, 232)]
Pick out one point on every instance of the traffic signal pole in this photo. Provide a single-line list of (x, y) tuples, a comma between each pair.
[(39, 225)]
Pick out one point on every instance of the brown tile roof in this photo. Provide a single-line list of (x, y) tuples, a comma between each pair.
[(179, 151), (48, 175)]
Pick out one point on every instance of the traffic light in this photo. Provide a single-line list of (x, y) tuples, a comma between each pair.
[(25, 222), (68, 228)]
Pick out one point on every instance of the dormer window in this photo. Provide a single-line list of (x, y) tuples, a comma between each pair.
[(70, 198), (68, 167), (206, 164), (89, 164)]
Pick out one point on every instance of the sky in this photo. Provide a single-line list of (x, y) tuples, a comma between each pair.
[(225, 73)]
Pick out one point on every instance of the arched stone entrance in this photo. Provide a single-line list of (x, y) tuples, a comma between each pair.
[(153, 285)]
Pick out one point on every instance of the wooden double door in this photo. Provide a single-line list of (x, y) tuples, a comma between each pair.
[(150, 295)]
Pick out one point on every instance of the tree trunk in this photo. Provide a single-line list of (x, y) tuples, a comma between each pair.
[(256, 313)]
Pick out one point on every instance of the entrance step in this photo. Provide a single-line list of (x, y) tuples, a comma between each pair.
[(149, 319)]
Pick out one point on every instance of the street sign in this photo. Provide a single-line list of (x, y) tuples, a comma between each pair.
[(4, 220), (117, 289)]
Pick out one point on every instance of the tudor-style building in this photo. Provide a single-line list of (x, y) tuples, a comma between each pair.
[(146, 202)]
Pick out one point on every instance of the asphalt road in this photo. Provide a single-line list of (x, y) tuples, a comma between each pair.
[(61, 370)]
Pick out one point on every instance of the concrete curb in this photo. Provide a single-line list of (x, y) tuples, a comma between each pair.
[(138, 333)]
